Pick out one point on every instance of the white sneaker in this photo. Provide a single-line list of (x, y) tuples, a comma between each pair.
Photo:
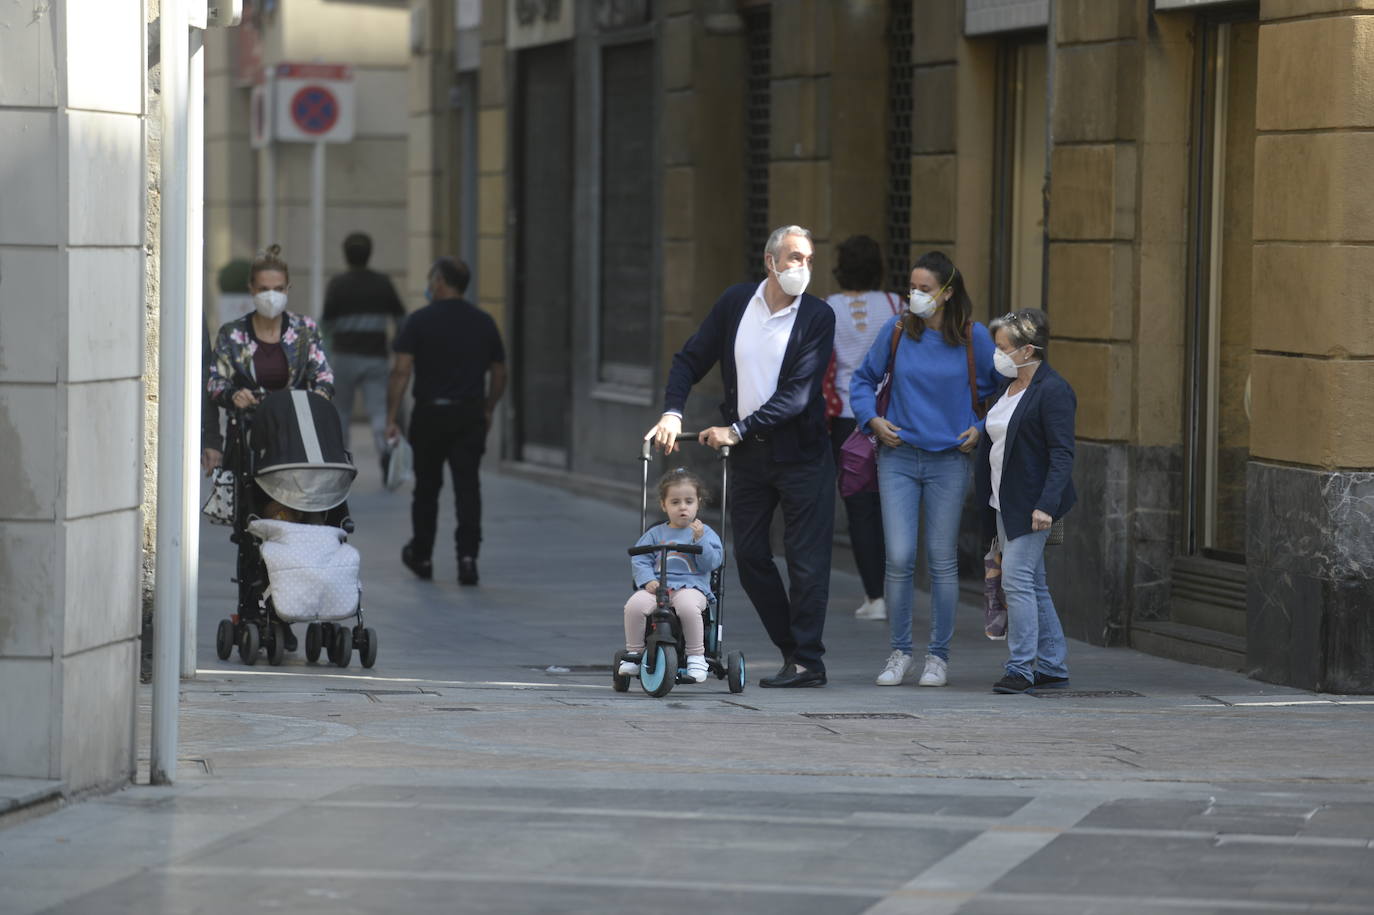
[(696, 667), (628, 669), (934, 674), (898, 664), (875, 609)]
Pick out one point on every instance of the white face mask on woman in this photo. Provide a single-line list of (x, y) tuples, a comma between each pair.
[(1007, 366), (269, 303), (921, 304)]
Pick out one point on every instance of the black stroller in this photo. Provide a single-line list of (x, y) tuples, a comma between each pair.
[(291, 481), (664, 646)]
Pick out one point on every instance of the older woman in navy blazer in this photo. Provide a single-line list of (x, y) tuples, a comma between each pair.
[(1024, 484)]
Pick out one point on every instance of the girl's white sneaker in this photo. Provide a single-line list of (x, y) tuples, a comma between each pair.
[(628, 669), (696, 667)]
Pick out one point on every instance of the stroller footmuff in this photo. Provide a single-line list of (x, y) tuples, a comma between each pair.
[(291, 525)]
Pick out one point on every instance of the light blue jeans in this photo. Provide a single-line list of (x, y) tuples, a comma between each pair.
[(368, 374), (908, 479), (1035, 640)]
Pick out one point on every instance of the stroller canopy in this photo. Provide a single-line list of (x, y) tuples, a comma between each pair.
[(298, 451)]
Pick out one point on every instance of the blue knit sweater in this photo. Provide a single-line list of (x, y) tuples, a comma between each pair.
[(930, 404)]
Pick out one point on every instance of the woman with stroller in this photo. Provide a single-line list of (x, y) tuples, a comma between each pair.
[(680, 495), (1025, 484), (941, 372), (269, 349)]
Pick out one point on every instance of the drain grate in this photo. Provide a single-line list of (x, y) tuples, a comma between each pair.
[(859, 716), (1087, 694), (381, 692), (574, 669)]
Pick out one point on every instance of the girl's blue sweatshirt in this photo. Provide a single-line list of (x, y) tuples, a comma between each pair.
[(685, 570), (930, 403)]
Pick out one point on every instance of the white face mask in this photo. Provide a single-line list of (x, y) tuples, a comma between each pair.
[(1005, 365), (269, 303), (794, 280), (921, 304)]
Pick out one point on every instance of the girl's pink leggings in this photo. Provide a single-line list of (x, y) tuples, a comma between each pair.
[(688, 603)]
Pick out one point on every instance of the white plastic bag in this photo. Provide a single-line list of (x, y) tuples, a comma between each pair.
[(313, 574), (219, 508), (400, 463)]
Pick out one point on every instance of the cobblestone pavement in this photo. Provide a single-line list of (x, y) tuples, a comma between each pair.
[(485, 765)]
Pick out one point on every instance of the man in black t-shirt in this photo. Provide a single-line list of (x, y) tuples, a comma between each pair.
[(358, 305), (451, 346)]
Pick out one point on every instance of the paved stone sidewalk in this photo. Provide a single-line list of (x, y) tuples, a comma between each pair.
[(485, 765)]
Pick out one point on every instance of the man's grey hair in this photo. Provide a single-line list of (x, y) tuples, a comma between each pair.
[(775, 240)]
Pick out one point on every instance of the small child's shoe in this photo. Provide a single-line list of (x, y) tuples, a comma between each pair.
[(696, 667), (628, 669)]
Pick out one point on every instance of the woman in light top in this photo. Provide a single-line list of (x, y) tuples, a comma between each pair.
[(860, 312)]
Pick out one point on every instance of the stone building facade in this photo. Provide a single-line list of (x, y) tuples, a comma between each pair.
[(1176, 181)]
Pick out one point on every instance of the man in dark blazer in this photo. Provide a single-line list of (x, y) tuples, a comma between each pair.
[(773, 343)]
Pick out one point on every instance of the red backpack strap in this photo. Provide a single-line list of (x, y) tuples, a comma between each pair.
[(979, 409)]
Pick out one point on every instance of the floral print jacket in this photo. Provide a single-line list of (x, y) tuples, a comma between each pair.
[(232, 365)]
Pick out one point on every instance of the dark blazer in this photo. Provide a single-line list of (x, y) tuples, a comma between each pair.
[(1037, 462), (793, 420)]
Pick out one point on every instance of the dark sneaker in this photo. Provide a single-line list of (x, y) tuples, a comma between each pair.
[(1045, 681), (467, 570), (422, 568), (288, 637), (1012, 683)]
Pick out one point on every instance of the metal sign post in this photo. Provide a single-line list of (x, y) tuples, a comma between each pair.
[(314, 103)]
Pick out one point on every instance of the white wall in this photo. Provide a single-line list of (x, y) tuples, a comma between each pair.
[(71, 358)]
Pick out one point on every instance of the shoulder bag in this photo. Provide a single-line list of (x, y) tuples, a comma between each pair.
[(858, 470)]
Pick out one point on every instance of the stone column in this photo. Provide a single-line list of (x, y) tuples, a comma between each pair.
[(1310, 505), (71, 322), (492, 165)]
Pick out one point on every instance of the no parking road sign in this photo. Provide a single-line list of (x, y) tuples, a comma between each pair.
[(314, 103)]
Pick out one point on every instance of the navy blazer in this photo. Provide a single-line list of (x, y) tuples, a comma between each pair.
[(792, 421), (1037, 462)]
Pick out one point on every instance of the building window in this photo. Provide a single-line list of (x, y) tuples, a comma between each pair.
[(1019, 229), (899, 102), (1220, 258), (627, 214), (758, 28)]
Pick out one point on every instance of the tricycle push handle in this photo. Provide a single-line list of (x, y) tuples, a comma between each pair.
[(674, 547)]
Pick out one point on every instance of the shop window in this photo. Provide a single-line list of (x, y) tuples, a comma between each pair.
[(627, 214), (1221, 253), (1019, 229)]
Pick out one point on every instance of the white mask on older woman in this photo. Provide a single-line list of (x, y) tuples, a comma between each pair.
[(1007, 366), (269, 303)]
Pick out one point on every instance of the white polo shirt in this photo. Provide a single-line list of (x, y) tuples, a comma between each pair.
[(759, 347)]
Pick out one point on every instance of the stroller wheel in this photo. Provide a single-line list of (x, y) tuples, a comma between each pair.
[(312, 642), (248, 644), (367, 651), (276, 648), (343, 646), (224, 639), (734, 671), (659, 681), (619, 683), (327, 639)]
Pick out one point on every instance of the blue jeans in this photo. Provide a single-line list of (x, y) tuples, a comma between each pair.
[(1035, 640), (909, 478)]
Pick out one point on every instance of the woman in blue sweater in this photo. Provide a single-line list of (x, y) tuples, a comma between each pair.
[(932, 424)]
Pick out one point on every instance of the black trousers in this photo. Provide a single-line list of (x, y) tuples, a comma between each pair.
[(793, 617), (455, 434), (865, 513)]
